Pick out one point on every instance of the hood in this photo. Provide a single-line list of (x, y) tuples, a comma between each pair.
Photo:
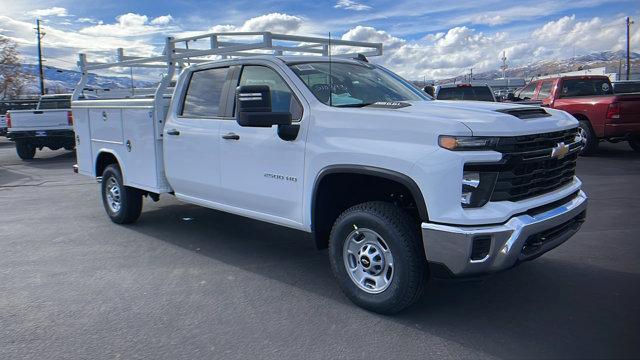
[(489, 118)]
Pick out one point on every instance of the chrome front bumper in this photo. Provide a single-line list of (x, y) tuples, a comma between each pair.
[(522, 238)]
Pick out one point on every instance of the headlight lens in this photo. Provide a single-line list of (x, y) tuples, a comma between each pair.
[(477, 188), (460, 143)]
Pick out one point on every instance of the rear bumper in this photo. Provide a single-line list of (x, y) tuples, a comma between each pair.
[(17, 134), (523, 237), (621, 130)]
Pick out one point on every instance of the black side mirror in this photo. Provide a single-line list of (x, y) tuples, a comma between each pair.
[(253, 104), (430, 90)]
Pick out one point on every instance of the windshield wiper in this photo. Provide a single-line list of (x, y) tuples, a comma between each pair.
[(354, 105)]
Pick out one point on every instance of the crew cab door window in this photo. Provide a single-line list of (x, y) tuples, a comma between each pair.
[(202, 98), (282, 98), (545, 90)]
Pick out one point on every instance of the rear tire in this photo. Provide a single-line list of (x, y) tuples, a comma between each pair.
[(25, 150), (122, 203), (589, 138), (376, 254), (634, 142)]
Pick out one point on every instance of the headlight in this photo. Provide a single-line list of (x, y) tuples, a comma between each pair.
[(477, 188), (459, 143)]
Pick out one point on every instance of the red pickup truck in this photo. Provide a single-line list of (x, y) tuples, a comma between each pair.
[(603, 115)]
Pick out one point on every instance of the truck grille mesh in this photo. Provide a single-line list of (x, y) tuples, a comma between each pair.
[(528, 170)]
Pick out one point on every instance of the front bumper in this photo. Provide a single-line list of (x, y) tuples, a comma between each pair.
[(523, 237)]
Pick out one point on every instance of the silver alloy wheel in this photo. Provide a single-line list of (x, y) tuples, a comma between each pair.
[(112, 192), (368, 260), (583, 136)]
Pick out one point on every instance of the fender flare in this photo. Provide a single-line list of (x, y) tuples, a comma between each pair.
[(398, 177), (118, 159)]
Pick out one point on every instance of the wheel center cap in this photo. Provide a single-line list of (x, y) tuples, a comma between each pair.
[(365, 262)]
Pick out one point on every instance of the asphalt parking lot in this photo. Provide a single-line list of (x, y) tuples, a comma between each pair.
[(191, 283)]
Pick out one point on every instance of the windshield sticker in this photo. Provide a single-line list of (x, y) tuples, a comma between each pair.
[(305, 67), (605, 87), (389, 105)]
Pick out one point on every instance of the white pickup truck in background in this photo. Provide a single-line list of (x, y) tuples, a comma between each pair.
[(399, 186), (49, 125)]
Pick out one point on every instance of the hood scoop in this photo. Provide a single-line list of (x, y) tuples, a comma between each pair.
[(525, 112)]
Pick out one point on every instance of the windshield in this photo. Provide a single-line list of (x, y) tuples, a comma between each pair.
[(478, 93), (353, 85)]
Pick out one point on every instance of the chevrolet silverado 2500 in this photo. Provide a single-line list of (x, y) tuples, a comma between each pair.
[(49, 125), (398, 186)]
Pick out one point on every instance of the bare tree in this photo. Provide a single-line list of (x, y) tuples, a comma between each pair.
[(13, 81)]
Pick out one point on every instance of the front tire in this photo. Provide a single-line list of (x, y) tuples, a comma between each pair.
[(590, 140), (376, 254), (634, 142), (122, 203), (25, 150)]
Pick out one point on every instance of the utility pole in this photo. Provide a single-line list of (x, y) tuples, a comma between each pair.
[(470, 75), (629, 22), (40, 70), (504, 64)]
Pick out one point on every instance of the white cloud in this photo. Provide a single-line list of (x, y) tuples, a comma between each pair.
[(86, 20), (274, 22), (130, 24), (351, 5), (162, 20), (52, 11)]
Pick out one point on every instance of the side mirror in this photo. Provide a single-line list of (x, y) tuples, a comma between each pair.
[(253, 104), (511, 97), (430, 90)]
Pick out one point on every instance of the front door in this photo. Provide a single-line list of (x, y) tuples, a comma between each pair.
[(191, 137), (262, 174)]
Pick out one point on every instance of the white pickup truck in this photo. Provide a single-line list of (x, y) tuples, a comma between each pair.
[(399, 186), (49, 125)]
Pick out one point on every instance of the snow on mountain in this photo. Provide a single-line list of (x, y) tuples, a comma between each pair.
[(59, 80)]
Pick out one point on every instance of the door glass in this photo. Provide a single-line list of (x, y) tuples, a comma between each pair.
[(527, 92), (281, 95), (204, 92), (545, 90)]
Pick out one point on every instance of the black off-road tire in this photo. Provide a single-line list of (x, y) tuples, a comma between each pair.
[(25, 150), (129, 199), (634, 142), (591, 145), (401, 233)]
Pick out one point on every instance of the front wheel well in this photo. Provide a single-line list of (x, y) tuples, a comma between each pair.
[(337, 191)]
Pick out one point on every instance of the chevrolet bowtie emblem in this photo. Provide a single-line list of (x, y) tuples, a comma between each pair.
[(559, 151)]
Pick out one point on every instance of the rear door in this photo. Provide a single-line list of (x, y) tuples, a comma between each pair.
[(191, 136), (262, 174)]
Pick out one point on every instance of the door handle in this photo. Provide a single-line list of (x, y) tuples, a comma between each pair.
[(173, 132), (231, 136)]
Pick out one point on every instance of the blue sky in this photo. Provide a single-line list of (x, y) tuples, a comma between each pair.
[(421, 38)]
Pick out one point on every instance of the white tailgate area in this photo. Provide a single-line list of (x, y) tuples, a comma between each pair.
[(127, 129)]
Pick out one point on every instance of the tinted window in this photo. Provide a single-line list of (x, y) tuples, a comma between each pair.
[(478, 93), (528, 91), (585, 87), (204, 92), (282, 99), (545, 90), (55, 103), (626, 87)]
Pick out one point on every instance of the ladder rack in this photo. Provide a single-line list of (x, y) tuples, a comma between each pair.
[(176, 53)]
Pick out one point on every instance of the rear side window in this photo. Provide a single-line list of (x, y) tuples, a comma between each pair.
[(626, 87), (204, 92), (545, 90), (585, 87), (478, 93)]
